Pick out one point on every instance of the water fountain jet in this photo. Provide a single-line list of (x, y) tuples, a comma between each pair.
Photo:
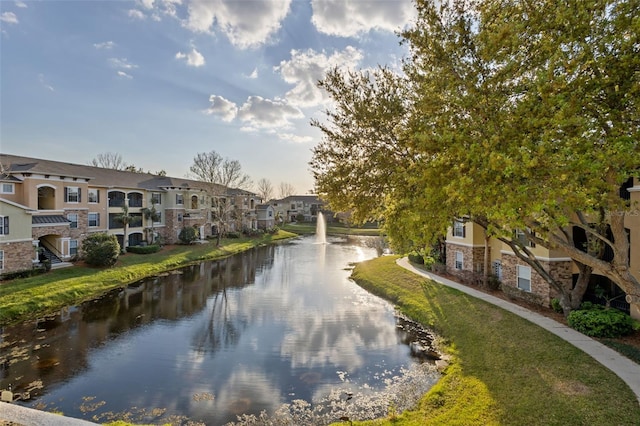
[(321, 230)]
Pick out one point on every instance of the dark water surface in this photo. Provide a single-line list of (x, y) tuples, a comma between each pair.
[(224, 338)]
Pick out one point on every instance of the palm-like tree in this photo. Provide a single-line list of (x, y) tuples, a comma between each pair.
[(125, 218), (151, 214)]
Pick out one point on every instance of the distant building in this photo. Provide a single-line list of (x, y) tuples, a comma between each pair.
[(47, 208)]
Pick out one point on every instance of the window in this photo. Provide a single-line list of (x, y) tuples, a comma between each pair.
[(73, 218), (1, 260), (135, 199), (4, 225), (72, 194), (194, 201), (156, 198), (459, 262), (179, 199), (94, 219), (7, 188), (522, 238), (497, 269), (179, 217), (270, 213), (524, 278), (93, 195), (158, 217), (458, 229), (73, 247)]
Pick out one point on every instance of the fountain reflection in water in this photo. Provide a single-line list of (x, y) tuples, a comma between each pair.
[(321, 230)]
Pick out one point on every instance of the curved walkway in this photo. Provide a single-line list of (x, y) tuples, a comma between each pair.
[(626, 369)]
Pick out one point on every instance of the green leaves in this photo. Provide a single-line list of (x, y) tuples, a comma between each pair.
[(519, 113)]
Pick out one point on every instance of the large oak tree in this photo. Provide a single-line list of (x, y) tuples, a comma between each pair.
[(517, 115)]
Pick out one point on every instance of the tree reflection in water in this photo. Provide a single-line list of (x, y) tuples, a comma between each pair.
[(237, 336)]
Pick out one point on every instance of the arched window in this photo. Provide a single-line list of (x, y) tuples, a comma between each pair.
[(194, 201)]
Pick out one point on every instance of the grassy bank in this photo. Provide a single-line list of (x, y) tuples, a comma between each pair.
[(504, 370), (27, 298), (304, 228)]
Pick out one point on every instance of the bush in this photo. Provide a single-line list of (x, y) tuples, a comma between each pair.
[(273, 230), (415, 257), (26, 273), (598, 321), (101, 249), (555, 305), (232, 235), (188, 235), (144, 249)]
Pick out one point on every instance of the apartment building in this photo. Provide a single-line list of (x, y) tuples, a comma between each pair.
[(466, 243), (289, 208), (51, 206)]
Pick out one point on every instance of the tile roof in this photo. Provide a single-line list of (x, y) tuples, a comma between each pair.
[(98, 176)]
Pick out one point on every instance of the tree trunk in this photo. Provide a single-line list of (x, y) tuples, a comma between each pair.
[(572, 298)]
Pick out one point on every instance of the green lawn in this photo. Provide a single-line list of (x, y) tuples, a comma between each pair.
[(304, 228), (22, 299), (504, 369)]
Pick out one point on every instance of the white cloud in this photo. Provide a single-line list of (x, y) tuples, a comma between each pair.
[(9, 18), (44, 83), (260, 113), (349, 18), (306, 68), (135, 14), (245, 23), (104, 45), (290, 137), (254, 74), (194, 58), (222, 108), (122, 63), (124, 75), (147, 4), (21, 4), (256, 114)]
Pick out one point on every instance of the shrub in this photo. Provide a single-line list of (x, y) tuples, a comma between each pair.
[(188, 235), (233, 235), (415, 257), (144, 249), (25, 273), (101, 249), (601, 322), (555, 305)]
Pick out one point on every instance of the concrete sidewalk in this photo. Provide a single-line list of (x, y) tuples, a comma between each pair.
[(626, 369), (16, 415)]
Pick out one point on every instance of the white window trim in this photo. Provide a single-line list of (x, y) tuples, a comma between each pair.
[(97, 219), (89, 192), (1, 260), (12, 185), (456, 261), (77, 193), (458, 225), (76, 221), (526, 276)]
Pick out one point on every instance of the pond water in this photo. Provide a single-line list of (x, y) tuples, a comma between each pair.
[(259, 332)]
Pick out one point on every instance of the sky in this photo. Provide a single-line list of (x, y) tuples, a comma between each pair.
[(159, 81)]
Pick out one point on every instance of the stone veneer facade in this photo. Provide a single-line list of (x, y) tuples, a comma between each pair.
[(18, 256), (560, 270), (472, 256)]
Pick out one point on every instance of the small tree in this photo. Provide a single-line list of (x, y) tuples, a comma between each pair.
[(188, 235), (151, 214), (100, 249), (125, 218)]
